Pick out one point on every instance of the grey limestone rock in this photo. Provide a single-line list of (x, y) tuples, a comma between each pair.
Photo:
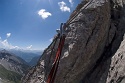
[(92, 39)]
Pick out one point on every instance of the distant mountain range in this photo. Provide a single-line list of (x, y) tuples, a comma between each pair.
[(34, 61), (15, 63), (26, 55), (12, 67), (12, 62), (7, 76)]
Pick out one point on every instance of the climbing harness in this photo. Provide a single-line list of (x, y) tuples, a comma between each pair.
[(61, 33)]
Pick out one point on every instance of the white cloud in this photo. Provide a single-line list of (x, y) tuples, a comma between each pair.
[(51, 39), (71, 2), (29, 47), (16, 47), (8, 35), (44, 14), (63, 7), (7, 45)]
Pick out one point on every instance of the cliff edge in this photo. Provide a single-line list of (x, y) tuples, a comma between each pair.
[(92, 51)]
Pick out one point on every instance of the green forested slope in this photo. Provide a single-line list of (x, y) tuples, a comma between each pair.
[(9, 76)]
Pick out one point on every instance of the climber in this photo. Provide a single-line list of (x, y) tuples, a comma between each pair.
[(60, 31), (61, 35)]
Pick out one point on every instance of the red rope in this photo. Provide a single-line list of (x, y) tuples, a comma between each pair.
[(53, 71)]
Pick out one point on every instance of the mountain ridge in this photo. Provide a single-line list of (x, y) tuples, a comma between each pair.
[(26, 55), (12, 62), (9, 76), (90, 45)]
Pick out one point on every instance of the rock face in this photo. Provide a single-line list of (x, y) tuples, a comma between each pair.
[(116, 72), (90, 52)]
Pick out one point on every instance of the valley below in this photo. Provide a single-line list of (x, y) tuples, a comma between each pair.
[(13, 66)]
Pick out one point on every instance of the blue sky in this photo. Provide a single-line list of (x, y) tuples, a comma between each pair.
[(31, 24)]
